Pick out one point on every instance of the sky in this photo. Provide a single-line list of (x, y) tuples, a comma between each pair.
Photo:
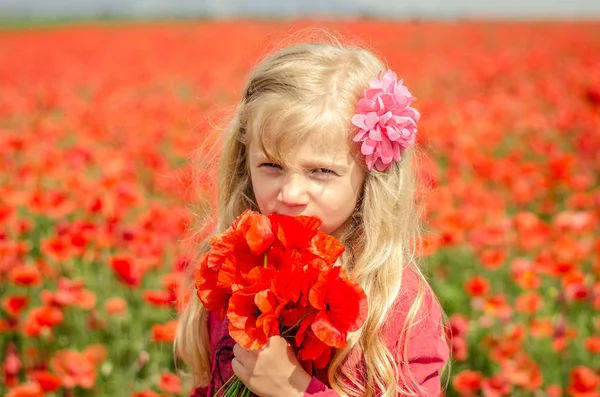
[(398, 9)]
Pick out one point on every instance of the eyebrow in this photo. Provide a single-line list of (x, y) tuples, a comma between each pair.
[(323, 164), (310, 163)]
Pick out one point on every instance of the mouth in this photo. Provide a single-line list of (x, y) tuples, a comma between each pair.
[(289, 213)]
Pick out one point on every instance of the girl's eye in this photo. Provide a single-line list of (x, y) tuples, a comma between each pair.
[(324, 171), (271, 165)]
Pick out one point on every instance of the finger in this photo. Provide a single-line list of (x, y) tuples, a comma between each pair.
[(240, 353), (238, 369), (277, 341)]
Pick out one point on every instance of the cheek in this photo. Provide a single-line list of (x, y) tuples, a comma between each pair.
[(340, 203), (265, 192), (336, 209)]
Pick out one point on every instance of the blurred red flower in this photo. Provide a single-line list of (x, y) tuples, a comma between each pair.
[(13, 305), (48, 381), (159, 297), (40, 319), (496, 386), (169, 382), (583, 382), (477, 286), (115, 306), (148, 393), (57, 248), (25, 275), (128, 270), (592, 344), (164, 332), (11, 366), (75, 369), (492, 258), (29, 389), (523, 371), (468, 382)]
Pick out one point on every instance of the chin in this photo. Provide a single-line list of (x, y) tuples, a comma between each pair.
[(328, 230)]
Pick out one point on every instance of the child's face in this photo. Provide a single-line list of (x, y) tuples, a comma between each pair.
[(312, 182)]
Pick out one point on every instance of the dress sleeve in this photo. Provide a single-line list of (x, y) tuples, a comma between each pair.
[(316, 388), (212, 327), (200, 392), (427, 350)]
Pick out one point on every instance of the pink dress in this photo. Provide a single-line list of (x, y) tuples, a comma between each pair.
[(427, 349)]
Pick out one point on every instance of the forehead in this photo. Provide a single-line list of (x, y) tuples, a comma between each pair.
[(318, 147), (285, 132)]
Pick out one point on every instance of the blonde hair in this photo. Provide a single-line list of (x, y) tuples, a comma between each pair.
[(294, 92)]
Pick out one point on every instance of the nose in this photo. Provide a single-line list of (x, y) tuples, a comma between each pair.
[(293, 191)]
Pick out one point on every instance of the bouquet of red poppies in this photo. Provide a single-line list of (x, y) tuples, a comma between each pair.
[(276, 275)]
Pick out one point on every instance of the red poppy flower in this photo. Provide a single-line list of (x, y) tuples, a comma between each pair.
[(13, 305), (74, 369), (497, 306), (148, 393), (496, 386), (554, 391), (523, 371), (25, 275), (169, 382), (11, 366), (70, 293), (315, 351), (40, 318), (460, 351), (172, 282), (214, 287), (287, 282), (528, 303), (159, 297), (477, 286), (48, 381), (254, 317), (29, 389), (302, 233), (584, 382), (115, 306), (295, 232), (96, 353), (467, 382), (278, 276), (223, 247), (592, 344), (342, 306), (164, 332), (492, 258), (58, 248), (256, 229), (128, 270)]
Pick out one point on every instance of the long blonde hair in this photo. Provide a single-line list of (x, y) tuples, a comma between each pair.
[(294, 92)]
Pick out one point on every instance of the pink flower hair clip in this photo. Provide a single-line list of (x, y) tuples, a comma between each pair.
[(388, 125)]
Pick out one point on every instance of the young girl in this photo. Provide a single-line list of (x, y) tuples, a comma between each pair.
[(324, 130)]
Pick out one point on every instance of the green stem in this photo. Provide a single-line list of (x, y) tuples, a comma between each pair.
[(241, 388), (230, 380), (246, 392), (233, 390), (265, 261), (298, 322)]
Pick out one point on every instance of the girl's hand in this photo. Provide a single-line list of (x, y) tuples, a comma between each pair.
[(273, 371)]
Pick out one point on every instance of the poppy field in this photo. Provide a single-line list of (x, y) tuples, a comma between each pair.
[(98, 127)]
